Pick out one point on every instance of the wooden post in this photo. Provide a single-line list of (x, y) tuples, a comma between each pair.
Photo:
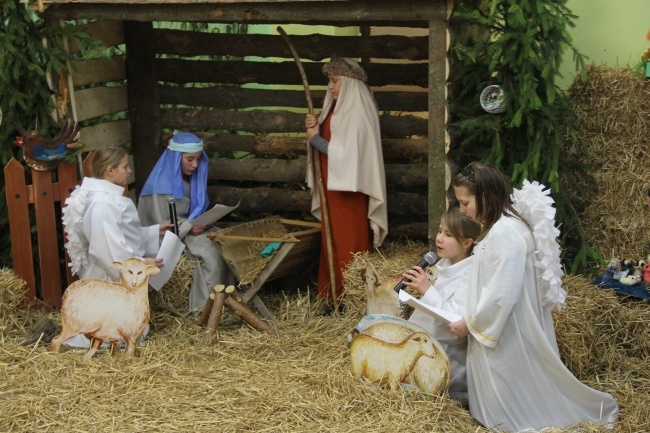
[(215, 314)]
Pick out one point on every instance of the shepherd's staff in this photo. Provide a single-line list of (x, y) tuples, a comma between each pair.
[(319, 175)]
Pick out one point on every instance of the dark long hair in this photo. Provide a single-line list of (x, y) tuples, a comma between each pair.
[(492, 190)]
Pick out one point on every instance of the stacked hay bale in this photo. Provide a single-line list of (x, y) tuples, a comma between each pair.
[(612, 109)]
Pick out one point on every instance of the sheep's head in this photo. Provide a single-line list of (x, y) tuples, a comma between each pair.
[(423, 340), (135, 272)]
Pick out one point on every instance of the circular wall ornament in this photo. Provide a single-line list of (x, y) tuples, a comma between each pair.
[(493, 99)]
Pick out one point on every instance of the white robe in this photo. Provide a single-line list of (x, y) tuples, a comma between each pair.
[(103, 226), (212, 268), (516, 379), (448, 292)]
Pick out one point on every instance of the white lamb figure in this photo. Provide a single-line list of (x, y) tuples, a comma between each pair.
[(107, 311), (382, 299), (388, 363)]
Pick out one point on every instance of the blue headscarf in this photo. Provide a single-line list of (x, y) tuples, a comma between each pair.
[(167, 178)]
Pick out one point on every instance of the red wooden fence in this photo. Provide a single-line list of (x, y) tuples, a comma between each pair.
[(44, 193)]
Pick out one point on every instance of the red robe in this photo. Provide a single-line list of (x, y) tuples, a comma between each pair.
[(349, 227)]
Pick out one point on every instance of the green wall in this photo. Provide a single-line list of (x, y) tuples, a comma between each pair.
[(608, 32)]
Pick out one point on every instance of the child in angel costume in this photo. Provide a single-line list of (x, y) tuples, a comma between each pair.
[(102, 224), (516, 379), (454, 245), (348, 140), (182, 173)]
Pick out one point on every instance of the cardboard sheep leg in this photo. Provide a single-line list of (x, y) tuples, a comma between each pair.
[(215, 314), (241, 311)]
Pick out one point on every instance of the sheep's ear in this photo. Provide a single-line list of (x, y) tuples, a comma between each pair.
[(116, 265), (153, 269)]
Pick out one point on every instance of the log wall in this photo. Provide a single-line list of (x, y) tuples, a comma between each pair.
[(242, 94)]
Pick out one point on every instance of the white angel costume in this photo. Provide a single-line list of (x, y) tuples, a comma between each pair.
[(102, 226), (165, 181), (449, 293), (516, 379)]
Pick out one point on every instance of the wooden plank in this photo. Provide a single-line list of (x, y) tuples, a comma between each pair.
[(98, 71), (116, 133), (144, 99), (233, 97), (315, 47), (182, 71), (68, 180), (19, 225), (46, 233), (110, 32), (378, 12), (99, 101), (266, 200), (276, 121), (293, 170), (437, 124)]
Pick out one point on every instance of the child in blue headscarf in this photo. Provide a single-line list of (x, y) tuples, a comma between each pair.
[(182, 173)]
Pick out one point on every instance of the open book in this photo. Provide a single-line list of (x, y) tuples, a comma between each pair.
[(213, 215), (445, 316)]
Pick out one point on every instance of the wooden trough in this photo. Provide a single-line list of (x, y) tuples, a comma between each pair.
[(297, 255)]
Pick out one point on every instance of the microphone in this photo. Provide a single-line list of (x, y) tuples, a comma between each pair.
[(172, 214), (429, 259)]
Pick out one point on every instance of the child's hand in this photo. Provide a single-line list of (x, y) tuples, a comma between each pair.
[(311, 123), (163, 227), (155, 262), (197, 230), (459, 328), (419, 279)]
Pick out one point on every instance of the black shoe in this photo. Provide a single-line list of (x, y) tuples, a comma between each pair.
[(44, 329)]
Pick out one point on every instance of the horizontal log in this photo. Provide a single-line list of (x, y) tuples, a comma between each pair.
[(117, 133), (313, 47), (278, 121), (285, 145), (265, 200), (234, 97), (86, 72), (183, 71), (340, 13), (97, 101), (110, 32), (293, 171), (409, 231)]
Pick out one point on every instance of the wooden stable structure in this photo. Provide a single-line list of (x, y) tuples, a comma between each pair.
[(238, 87)]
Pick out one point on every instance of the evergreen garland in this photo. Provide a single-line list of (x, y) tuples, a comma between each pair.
[(518, 45), (28, 50)]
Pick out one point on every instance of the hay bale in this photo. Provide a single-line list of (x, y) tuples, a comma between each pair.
[(173, 296), (612, 109), (298, 380), (13, 295)]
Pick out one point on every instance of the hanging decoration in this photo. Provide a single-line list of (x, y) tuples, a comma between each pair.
[(42, 153), (493, 99)]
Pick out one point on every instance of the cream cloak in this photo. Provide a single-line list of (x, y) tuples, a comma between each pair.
[(516, 379), (355, 159), (449, 292)]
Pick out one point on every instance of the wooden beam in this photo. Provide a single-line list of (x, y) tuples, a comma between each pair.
[(438, 65), (315, 47), (340, 13), (183, 71), (144, 99)]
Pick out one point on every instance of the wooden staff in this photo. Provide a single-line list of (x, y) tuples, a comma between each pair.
[(319, 175)]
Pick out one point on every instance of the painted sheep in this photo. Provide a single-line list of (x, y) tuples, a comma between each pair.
[(390, 364), (108, 311)]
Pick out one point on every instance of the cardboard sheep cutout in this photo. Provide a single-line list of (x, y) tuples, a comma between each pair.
[(108, 311)]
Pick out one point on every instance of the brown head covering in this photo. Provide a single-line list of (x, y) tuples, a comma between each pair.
[(346, 67)]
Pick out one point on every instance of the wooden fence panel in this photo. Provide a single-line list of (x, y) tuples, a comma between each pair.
[(19, 224)]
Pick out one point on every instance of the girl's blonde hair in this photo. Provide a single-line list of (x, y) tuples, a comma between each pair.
[(461, 227), (110, 156)]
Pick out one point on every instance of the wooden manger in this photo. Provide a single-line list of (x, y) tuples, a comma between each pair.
[(297, 255)]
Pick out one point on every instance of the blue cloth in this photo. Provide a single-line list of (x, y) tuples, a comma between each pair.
[(268, 250), (637, 290), (167, 178)]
